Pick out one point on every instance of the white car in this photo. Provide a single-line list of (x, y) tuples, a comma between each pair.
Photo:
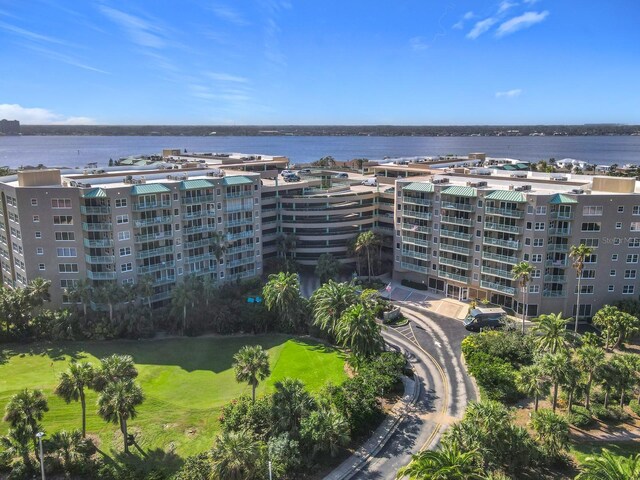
[(342, 175), (370, 182), (284, 173)]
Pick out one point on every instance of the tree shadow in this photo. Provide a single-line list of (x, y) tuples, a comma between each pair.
[(144, 463)]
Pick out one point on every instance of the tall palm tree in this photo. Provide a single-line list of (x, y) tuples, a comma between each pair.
[(111, 293), (117, 404), (448, 463), (72, 384), (551, 332), (183, 297), (115, 368), (282, 294), (251, 364), (326, 429), (522, 273), (38, 290), (358, 331), (625, 365), (366, 242), (570, 380), (24, 412), (590, 359), (68, 446), (532, 381), (81, 292), (16, 443), (144, 289), (578, 253), (554, 365), (218, 246), (291, 402), (610, 467), (329, 302), (552, 431), (235, 455)]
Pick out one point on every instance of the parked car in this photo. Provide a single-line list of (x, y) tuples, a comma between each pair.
[(292, 178), (481, 318), (304, 171), (342, 175), (284, 173), (370, 182)]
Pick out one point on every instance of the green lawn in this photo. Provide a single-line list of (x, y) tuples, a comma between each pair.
[(622, 449), (186, 382)]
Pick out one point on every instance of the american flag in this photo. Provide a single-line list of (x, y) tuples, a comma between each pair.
[(388, 288), (415, 228)]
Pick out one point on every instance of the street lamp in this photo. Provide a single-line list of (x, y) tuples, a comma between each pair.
[(39, 436), (270, 478)]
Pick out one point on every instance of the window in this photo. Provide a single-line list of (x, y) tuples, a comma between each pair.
[(536, 274), (592, 210), (588, 274), (619, 225), (585, 310), (68, 283), (634, 242), (528, 226), (476, 262), (477, 248), (126, 267), (121, 219), (38, 234), (593, 258), (635, 226), (34, 202), (538, 242), (590, 242), (479, 219), (632, 258), (611, 288), (635, 210), (620, 208), (614, 257), (176, 227), (534, 288), (591, 227), (179, 256), (536, 257), (539, 226), (541, 210), (629, 274), (181, 270), (176, 212), (126, 235), (475, 276), (175, 197), (527, 241), (126, 251), (65, 236), (68, 267), (36, 218), (41, 266), (628, 289), (39, 251), (67, 252), (62, 220), (616, 241), (127, 281), (585, 290), (612, 273), (14, 217), (60, 203), (121, 202)]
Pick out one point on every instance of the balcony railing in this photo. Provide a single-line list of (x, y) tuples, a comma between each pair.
[(101, 275), (501, 227), (238, 236), (415, 254), (560, 231), (95, 210), (140, 207), (417, 201), (453, 276), (415, 214), (97, 227), (240, 249), (452, 234), (465, 207), (554, 293), (497, 272), (497, 287), (504, 212), (555, 278), (556, 263), (200, 258), (241, 261), (513, 244), (157, 297), (146, 222), (197, 214), (99, 260), (240, 222), (244, 193), (456, 220), (416, 228), (150, 237), (205, 242), (415, 241), (558, 247), (154, 252), (444, 247), (156, 267), (198, 199), (240, 275), (164, 280), (454, 263), (561, 215), (413, 267), (102, 243), (499, 258), (199, 229)]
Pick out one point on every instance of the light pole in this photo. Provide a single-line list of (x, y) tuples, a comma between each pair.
[(39, 435), (270, 470)]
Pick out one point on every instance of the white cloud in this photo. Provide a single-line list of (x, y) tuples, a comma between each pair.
[(141, 32), (481, 27), (530, 2), (230, 15), (525, 20), (226, 77), (509, 93), (29, 35), (460, 24), (40, 116), (505, 5), (418, 44)]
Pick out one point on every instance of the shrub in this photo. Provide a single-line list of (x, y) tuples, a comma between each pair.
[(580, 417), (412, 284), (598, 411), (635, 407), (612, 414), (242, 413), (197, 467)]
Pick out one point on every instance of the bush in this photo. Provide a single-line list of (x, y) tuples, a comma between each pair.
[(635, 407), (580, 417), (412, 284), (242, 413), (613, 413), (598, 411), (197, 467)]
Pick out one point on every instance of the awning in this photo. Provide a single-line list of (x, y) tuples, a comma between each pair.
[(237, 180), (460, 191), (506, 196), (418, 187), (148, 189), (559, 198), (195, 184)]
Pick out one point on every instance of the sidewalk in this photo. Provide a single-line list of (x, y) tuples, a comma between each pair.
[(433, 302), (352, 465)]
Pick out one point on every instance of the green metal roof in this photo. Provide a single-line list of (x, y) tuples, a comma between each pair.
[(95, 193), (559, 198), (149, 188), (507, 196), (460, 191), (522, 166), (195, 184), (509, 167), (237, 180), (418, 187)]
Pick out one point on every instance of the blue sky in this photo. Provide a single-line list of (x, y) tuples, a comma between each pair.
[(320, 62)]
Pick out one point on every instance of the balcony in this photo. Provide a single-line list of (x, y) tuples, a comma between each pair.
[(199, 229), (464, 207), (454, 263), (97, 227), (497, 272), (500, 258), (414, 268), (95, 210), (160, 296), (240, 249), (205, 242), (558, 247), (415, 214), (563, 231), (452, 234), (561, 215), (512, 244), (164, 280), (203, 257), (153, 252), (497, 287), (240, 275), (556, 263), (100, 260), (240, 222), (504, 212), (415, 254), (240, 208), (241, 261), (416, 228), (198, 199), (453, 276), (554, 293), (102, 243), (244, 193), (150, 237), (501, 227), (197, 214), (200, 270), (416, 201), (141, 207), (238, 236), (456, 220), (444, 247), (555, 278), (415, 241), (101, 275), (156, 267), (146, 222)]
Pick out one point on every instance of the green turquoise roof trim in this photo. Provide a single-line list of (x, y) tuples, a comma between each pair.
[(95, 193), (418, 187), (559, 198), (507, 196), (149, 188), (195, 184), (460, 191), (237, 180)]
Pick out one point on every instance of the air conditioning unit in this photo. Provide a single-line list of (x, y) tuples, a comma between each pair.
[(577, 191)]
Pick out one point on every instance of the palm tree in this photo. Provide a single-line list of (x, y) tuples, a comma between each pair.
[(111, 293), (218, 246), (115, 368), (326, 429), (552, 431), (590, 360), (38, 290), (329, 302), (448, 463), (570, 380), (81, 292), (551, 332), (235, 455), (72, 384), (144, 289), (282, 294), (366, 242), (625, 366), (24, 412), (554, 365), (68, 445), (182, 297), (117, 404), (610, 467), (16, 443), (358, 331), (578, 253), (291, 402), (522, 273), (251, 364), (532, 381)]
